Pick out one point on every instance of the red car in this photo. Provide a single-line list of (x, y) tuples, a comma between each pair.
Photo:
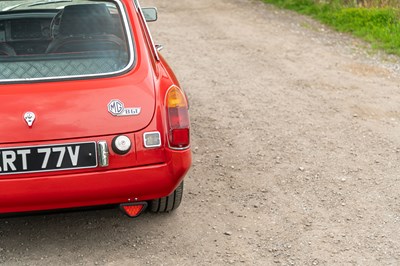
[(92, 114)]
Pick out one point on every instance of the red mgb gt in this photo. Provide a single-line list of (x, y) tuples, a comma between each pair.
[(91, 114)]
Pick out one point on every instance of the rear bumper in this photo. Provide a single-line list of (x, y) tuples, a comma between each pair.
[(94, 188)]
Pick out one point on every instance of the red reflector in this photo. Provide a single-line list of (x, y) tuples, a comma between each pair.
[(134, 209), (180, 137)]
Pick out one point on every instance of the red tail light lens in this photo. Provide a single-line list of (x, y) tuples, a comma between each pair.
[(178, 119), (180, 137)]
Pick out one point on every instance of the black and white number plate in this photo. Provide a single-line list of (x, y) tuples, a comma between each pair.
[(48, 158)]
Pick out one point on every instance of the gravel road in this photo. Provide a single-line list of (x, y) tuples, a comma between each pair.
[(296, 152)]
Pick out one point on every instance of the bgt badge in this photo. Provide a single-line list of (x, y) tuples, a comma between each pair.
[(117, 108)]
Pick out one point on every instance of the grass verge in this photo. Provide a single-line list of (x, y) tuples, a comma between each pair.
[(379, 26)]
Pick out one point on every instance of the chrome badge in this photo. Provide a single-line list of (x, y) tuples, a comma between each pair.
[(29, 118), (117, 108)]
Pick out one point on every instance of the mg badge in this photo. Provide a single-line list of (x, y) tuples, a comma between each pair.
[(117, 108), (29, 118)]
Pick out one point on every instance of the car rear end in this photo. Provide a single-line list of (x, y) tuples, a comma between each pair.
[(90, 114)]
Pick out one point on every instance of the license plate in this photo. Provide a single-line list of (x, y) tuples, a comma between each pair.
[(48, 158)]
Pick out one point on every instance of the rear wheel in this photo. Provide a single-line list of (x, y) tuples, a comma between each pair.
[(168, 203)]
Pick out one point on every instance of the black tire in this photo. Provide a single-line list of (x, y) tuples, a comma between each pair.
[(169, 203)]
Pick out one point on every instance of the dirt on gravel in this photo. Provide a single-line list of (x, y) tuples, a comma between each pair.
[(296, 144)]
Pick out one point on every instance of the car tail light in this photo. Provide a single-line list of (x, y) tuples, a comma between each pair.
[(178, 119), (133, 209)]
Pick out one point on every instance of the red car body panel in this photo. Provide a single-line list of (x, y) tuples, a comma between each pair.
[(94, 188), (73, 111)]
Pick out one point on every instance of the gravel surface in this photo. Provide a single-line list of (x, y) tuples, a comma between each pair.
[(296, 147)]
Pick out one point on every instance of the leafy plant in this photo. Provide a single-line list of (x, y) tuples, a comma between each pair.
[(376, 24)]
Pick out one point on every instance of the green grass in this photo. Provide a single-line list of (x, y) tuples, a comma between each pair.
[(379, 26)]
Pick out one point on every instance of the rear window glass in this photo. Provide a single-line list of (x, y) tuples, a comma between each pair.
[(52, 39)]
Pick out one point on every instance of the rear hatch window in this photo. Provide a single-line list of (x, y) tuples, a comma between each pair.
[(63, 39)]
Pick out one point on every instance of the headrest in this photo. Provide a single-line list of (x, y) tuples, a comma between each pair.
[(86, 19)]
